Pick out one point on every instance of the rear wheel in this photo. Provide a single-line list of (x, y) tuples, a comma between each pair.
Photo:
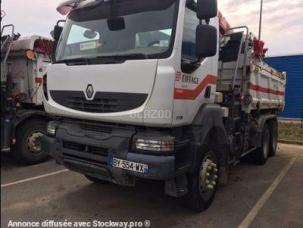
[(202, 184), (262, 153), (273, 145), (96, 180), (28, 145)]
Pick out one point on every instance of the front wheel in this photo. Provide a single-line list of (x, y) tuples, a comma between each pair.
[(28, 145), (202, 184)]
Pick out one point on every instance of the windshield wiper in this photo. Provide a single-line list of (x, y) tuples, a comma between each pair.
[(76, 61), (103, 59), (136, 56), (125, 57)]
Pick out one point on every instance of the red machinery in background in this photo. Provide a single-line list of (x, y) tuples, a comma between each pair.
[(223, 23), (258, 45)]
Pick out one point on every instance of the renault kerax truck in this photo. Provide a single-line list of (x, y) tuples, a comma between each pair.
[(23, 121), (161, 90)]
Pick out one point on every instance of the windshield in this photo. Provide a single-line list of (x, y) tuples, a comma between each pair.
[(140, 29)]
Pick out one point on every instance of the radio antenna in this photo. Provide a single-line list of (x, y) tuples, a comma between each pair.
[(260, 21)]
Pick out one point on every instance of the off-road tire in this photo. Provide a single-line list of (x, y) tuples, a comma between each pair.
[(21, 150), (262, 153), (195, 199), (273, 145)]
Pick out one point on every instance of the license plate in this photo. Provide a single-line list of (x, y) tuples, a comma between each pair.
[(128, 165)]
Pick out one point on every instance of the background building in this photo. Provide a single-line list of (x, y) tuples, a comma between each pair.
[(293, 65)]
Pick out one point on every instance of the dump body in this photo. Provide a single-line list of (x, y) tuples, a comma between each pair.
[(23, 65), (241, 68), (266, 86), (26, 72)]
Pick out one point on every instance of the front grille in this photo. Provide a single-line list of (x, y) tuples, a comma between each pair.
[(96, 128), (102, 103), (84, 153), (97, 105), (73, 146)]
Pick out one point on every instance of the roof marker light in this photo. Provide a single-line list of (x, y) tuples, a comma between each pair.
[(65, 7)]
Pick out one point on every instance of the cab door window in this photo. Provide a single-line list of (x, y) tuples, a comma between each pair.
[(189, 57), (189, 35)]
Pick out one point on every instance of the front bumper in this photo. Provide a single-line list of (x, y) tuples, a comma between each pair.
[(91, 152)]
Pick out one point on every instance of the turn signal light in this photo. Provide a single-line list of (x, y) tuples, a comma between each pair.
[(31, 55), (162, 145)]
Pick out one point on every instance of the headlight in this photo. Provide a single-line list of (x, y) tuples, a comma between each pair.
[(159, 145), (52, 128)]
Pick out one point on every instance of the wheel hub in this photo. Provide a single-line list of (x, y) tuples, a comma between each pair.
[(208, 176), (34, 142)]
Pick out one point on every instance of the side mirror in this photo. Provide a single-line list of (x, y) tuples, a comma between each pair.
[(206, 41), (207, 9), (57, 32)]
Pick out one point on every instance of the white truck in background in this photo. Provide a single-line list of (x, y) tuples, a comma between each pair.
[(23, 120), (162, 90)]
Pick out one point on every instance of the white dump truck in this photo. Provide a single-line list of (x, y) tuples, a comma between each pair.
[(162, 90), (23, 120)]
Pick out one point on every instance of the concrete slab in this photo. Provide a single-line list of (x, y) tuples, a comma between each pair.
[(70, 196)]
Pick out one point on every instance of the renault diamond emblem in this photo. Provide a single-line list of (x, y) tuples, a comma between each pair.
[(90, 91)]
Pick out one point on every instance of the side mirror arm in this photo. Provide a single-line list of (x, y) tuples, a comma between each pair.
[(56, 34)]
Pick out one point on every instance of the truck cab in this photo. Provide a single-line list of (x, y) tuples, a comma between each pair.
[(134, 84)]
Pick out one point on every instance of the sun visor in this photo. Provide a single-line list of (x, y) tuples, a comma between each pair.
[(102, 9)]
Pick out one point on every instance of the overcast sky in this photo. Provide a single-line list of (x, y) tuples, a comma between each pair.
[(282, 25)]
